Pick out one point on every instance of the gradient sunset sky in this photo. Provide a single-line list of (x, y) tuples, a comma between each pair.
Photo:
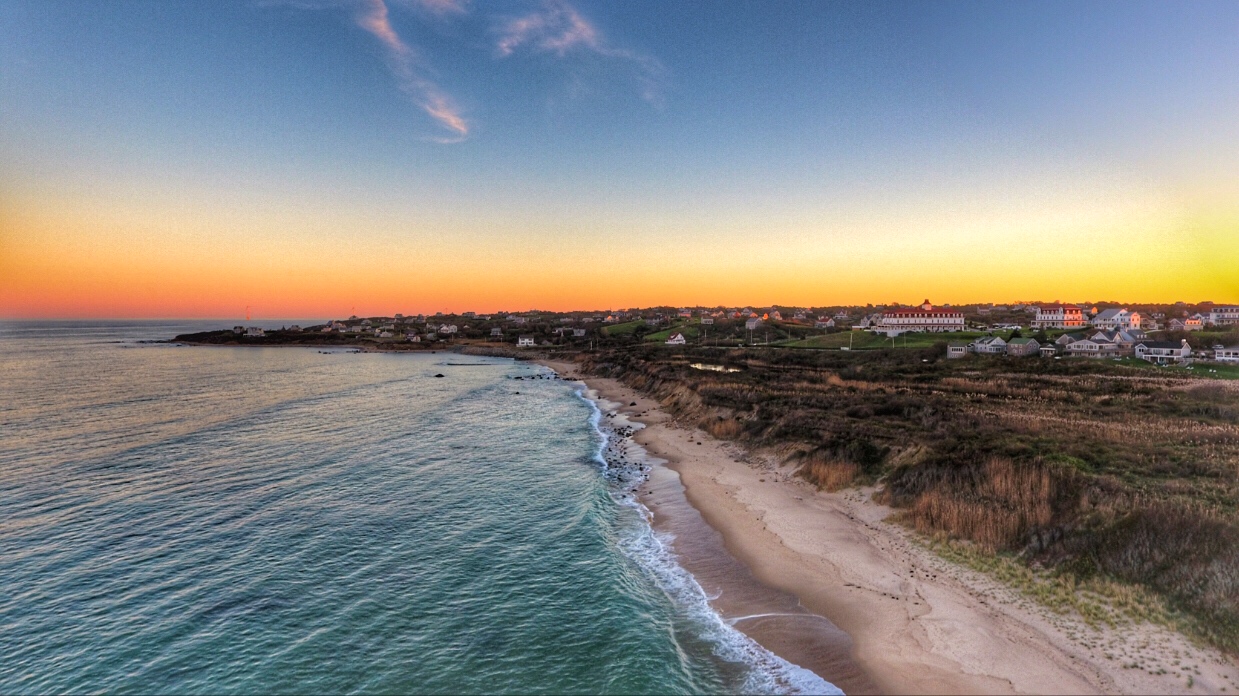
[(316, 158)]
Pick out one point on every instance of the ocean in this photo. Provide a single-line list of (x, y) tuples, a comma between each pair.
[(187, 520)]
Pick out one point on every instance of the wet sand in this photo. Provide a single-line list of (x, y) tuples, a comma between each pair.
[(780, 557)]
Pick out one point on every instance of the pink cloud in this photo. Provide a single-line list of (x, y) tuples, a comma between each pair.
[(559, 29), (402, 61)]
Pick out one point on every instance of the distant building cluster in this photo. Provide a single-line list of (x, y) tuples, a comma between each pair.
[(1052, 330)]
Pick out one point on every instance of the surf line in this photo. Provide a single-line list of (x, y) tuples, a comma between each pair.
[(737, 619)]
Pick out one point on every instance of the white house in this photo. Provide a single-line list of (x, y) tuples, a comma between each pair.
[(525, 342), (1089, 348), (1059, 316), (496, 332), (386, 334), (578, 333), (924, 318), (413, 338), (707, 320), (752, 324), (255, 331), (1049, 350), (448, 328), (1164, 352), (1226, 353), (676, 339), (956, 350), (824, 324), (989, 345), (1114, 319), (1125, 340), (1222, 316)]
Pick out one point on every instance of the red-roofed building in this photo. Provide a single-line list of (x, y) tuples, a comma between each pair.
[(924, 318), (1059, 316)]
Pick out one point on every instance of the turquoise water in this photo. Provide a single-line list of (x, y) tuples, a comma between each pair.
[(229, 520)]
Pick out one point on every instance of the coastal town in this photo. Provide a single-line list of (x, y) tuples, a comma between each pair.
[(1171, 334)]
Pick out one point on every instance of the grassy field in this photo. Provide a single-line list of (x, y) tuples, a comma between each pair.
[(621, 329), (1213, 370), (690, 332)]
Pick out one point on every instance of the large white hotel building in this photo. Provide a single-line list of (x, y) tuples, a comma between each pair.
[(923, 318)]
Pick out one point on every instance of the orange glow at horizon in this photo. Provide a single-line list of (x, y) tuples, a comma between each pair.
[(84, 261)]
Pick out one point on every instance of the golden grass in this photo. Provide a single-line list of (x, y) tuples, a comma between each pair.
[(997, 509), (829, 474)]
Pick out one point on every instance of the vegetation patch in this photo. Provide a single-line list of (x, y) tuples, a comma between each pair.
[(1090, 479)]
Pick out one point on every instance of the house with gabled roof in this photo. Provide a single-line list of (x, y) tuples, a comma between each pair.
[(1164, 352), (1115, 319), (1089, 348), (989, 345), (1125, 340), (1020, 347), (676, 339), (1059, 316)]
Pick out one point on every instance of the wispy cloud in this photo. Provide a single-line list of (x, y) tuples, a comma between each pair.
[(440, 7), (557, 28), (403, 63)]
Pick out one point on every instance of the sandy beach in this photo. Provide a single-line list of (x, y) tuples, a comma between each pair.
[(898, 618)]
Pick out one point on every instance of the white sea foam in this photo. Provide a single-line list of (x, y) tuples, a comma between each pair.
[(627, 466)]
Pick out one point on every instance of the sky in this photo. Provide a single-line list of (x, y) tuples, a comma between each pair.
[(316, 158)]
